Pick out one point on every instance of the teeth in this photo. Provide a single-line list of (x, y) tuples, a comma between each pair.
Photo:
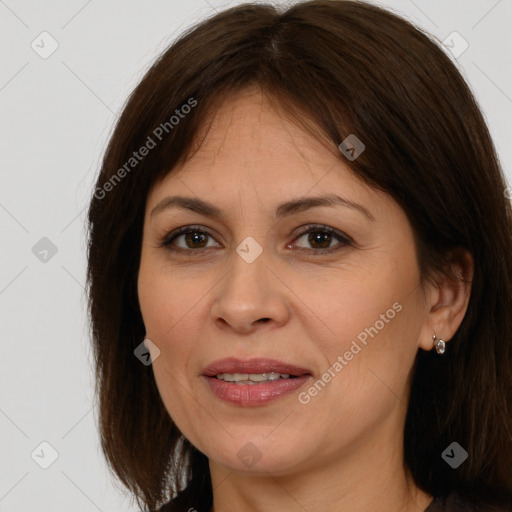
[(249, 378)]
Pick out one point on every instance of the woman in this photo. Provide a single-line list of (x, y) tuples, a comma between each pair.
[(300, 274)]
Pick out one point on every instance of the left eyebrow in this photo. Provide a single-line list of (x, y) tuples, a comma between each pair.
[(300, 205), (283, 210)]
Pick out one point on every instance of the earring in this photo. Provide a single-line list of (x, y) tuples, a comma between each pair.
[(439, 344)]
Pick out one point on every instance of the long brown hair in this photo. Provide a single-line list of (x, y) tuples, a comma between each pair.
[(338, 67)]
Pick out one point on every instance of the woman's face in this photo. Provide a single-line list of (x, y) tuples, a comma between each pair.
[(345, 307)]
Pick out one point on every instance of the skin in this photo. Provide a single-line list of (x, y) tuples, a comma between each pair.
[(342, 451)]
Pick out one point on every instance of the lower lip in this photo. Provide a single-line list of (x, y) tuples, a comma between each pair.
[(259, 393)]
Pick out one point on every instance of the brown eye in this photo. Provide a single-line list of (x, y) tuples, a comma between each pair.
[(195, 239), (320, 238), (192, 238)]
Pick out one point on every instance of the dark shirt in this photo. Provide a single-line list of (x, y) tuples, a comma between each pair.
[(455, 503), (452, 503)]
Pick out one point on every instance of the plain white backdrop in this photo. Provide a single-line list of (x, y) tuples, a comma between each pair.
[(66, 69)]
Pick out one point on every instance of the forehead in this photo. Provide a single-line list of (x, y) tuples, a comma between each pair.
[(250, 140)]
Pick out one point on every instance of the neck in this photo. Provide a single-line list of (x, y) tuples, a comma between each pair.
[(368, 476), (324, 490)]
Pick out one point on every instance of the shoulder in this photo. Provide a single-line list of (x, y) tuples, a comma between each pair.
[(175, 505), (181, 503), (455, 502)]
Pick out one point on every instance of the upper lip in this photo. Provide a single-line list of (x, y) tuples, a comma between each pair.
[(255, 365)]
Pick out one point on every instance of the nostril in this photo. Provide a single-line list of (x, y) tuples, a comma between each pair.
[(263, 320)]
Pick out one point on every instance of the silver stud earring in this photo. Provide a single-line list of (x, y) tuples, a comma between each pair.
[(439, 344)]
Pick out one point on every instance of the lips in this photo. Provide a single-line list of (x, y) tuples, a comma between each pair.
[(255, 365), (254, 394)]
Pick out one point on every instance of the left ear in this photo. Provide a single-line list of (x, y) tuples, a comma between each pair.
[(448, 300)]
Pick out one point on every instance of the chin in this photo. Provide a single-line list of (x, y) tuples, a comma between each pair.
[(259, 456)]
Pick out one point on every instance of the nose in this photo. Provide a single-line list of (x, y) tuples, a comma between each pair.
[(250, 295)]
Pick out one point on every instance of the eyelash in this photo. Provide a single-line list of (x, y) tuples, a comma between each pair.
[(319, 228)]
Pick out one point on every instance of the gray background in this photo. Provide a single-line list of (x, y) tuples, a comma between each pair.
[(56, 116)]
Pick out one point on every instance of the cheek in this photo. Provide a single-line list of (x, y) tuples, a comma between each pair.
[(164, 299), (367, 305), (174, 319), (367, 374), (171, 324), (374, 321)]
